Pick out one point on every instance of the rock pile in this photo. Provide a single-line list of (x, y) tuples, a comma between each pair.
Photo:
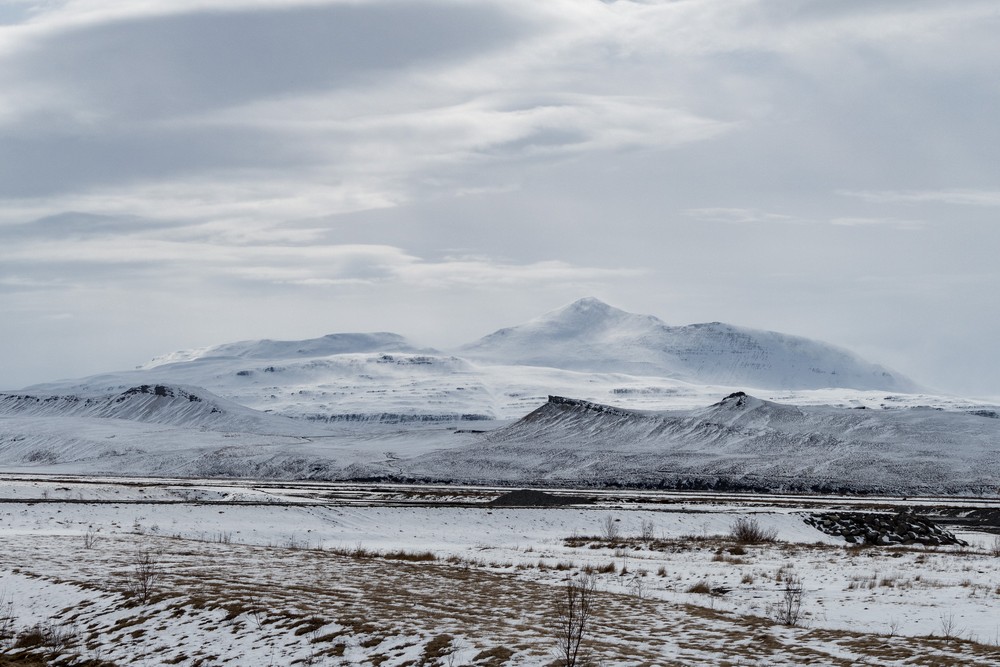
[(871, 528), (530, 498)]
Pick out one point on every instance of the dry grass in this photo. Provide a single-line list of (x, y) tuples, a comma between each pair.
[(381, 603)]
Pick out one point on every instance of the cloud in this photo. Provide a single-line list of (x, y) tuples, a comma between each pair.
[(184, 63), (111, 251), (739, 215), (328, 152), (874, 222), (746, 216), (197, 112), (958, 197)]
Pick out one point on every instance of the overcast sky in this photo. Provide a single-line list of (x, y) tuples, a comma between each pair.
[(179, 173)]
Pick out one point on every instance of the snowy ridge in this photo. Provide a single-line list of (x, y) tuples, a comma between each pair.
[(339, 343), (190, 407), (741, 442), (587, 349), (593, 336)]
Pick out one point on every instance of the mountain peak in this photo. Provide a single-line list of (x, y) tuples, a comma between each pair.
[(589, 335), (584, 313), (589, 303)]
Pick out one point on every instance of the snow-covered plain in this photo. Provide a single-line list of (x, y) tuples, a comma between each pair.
[(249, 575)]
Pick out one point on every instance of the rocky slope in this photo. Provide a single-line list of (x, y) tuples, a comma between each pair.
[(741, 442)]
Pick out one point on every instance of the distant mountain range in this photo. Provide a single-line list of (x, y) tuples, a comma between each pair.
[(645, 412), (587, 349)]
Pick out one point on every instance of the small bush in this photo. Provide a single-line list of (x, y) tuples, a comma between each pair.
[(646, 530), (747, 530), (789, 610), (609, 528), (701, 587)]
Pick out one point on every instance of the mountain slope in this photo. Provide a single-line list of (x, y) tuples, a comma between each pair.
[(740, 442), (190, 407), (588, 349), (590, 335), (339, 343)]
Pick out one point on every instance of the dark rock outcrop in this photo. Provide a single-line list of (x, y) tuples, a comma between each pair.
[(882, 529)]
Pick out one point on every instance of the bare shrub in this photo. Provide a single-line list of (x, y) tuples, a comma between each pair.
[(573, 614), (747, 530), (50, 636), (89, 538), (949, 628), (609, 528), (789, 610), (646, 530), (995, 547), (141, 579), (7, 618), (637, 586)]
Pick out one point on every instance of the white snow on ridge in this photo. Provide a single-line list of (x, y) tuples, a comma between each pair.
[(339, 343), (740, 442), (587, 350), (190, 407), (591, 335)]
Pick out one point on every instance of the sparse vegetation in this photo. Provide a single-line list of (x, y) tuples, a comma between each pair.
[(646, 530), (573, 615), (141, 579), (701, 587), (609, 528), (747, 530), (789, 610)]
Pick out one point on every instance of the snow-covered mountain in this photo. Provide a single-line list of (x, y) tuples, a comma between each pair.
[(325, 346), (375, 406), (190, 407), (587, 349), (590, 335), (741, 442)]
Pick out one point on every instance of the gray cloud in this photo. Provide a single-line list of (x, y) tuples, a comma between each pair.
[(190, 62), (271, 169)]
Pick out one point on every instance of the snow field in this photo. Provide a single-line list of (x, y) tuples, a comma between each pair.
[(491, 586)]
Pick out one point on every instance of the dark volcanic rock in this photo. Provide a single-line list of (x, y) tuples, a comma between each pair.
[(871, 528), (529, 498)]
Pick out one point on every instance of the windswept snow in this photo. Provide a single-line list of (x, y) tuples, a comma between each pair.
[(590, 335)]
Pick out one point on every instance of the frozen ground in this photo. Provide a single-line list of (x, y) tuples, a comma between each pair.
[(257, 574)]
